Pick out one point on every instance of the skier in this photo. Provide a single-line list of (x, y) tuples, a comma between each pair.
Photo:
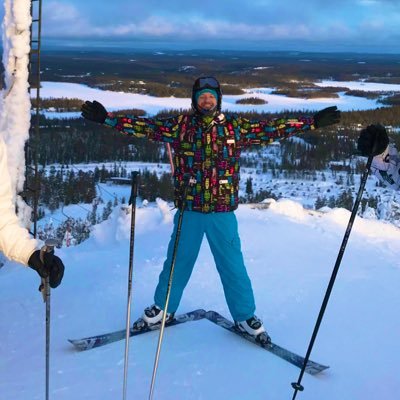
[(386, 162), (207, 146), (15, 241)]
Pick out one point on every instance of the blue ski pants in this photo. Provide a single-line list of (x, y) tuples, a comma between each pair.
[(221, 230)]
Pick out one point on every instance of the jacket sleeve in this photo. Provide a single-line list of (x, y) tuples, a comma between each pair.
[(386, 167), (271, 130), (155, 129), (15, 241)]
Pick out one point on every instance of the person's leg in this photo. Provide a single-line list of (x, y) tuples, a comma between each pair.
[(191, 236), (223, 237)]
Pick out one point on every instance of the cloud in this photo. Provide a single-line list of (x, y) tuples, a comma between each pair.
[(345, 21), (61, 19), (58, 11), (378, 2), (196, 28)]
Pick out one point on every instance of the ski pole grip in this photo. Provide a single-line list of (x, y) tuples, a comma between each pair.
[(135, 185), (48, 248)]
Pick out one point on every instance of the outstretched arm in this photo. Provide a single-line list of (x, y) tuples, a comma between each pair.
[(268, 131), (156, 129)]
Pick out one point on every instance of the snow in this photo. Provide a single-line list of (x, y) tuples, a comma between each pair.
[(290, 253), (361, 85), (152, 105), (111, 100), (15, 103)]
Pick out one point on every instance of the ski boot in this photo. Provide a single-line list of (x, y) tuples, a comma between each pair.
[(151, 318), (254, 327)]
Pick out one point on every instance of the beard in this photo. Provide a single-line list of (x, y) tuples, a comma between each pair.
[(207, 110)]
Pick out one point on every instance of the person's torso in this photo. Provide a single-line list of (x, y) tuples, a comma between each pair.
[(210, 154)]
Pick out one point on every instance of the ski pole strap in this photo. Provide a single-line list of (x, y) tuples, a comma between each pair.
[(187, 182), (171, 162)]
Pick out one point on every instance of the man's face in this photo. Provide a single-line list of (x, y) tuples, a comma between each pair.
[(207, 101)]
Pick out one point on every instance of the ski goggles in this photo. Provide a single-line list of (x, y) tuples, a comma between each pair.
[(207, 82)]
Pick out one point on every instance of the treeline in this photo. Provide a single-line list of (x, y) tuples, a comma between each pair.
[(156, 89), (59, 104), (238, 69), (313, 92), (346, 200), (66, 186), (349, 119), (392, 100), (384, 115), (74, 141), (251, 100), (151, 186)]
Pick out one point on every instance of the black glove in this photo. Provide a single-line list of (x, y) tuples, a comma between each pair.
[(52, 267), (373, 140), (94, 111), (327, 116)]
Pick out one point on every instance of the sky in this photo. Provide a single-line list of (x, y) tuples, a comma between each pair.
[(289, 252), (318, 25)]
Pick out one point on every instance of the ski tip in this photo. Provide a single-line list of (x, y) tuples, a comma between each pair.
[(315, 369), (78, 344), (75, 341)]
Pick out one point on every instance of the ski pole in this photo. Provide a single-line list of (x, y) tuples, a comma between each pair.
[(171, 162), (132, 201), (189, 181), (45, 289), (297, 386)]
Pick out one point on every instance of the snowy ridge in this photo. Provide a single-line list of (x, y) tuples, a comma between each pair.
[(289, 252)]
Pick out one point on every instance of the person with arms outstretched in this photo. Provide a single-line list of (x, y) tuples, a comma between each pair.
[(207, 145)]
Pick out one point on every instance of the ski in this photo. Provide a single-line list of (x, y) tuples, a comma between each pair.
[(138, 328), (312, 367)]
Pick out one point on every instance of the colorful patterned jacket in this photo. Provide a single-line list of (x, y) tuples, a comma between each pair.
[(208, 149)]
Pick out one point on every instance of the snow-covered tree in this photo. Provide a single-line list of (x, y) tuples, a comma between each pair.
[(14, 101)]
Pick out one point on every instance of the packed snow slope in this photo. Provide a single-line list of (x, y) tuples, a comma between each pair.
[(289, 252)]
